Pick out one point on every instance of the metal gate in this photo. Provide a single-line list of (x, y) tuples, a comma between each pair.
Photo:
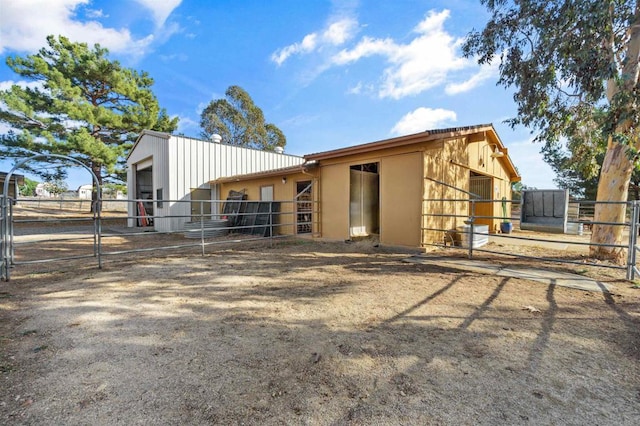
[(7, 250)]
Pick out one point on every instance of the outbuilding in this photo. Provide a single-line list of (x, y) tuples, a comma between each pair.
[(406, 191), (174, 173), (16, 181)]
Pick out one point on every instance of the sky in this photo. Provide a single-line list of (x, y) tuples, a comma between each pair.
[(329, 74)]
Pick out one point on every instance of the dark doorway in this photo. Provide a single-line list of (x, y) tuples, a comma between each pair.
[(144, 192)]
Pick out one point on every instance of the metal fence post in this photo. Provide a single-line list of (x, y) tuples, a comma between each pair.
[(471, 226), (202, 226), (270, 224), (97, 236), (10, 232), (633, 239), (4, 262)]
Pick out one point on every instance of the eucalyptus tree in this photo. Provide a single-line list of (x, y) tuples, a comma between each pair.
[(239, 121), (79, 103), (573, 64)]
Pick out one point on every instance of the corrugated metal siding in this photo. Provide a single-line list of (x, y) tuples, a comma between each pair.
[(181, 164), (155, 148)]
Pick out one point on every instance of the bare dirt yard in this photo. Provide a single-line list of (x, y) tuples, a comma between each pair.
[(312, 333)]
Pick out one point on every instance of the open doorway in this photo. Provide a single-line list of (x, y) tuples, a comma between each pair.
[(144, 192), (364, 202), (482, 186), (304, 207), (200, 203)]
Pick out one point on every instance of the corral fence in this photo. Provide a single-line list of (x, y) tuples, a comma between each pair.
[(579, 221), (41, 230)]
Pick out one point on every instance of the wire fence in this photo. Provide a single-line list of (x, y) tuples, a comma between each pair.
[(54, 230), (574, 230)]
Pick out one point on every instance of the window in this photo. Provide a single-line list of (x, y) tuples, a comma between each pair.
[(159, 197), (266, 193)]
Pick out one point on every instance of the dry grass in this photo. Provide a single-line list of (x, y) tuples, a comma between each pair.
[(311, 333)]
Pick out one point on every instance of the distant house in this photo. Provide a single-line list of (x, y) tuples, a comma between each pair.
[(41, 191), (16, 181), (173, 169), (406, 191), (84, 191)]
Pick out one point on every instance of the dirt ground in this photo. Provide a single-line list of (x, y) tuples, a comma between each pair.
[(312, 333)]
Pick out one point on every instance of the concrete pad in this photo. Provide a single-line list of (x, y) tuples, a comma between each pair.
[(562, 279)]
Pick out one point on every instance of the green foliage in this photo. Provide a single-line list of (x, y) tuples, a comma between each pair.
[(56, 187), (516, 190), (567, 61), (109, 190), (81, 104), (28, 189), (577, 162), (240, 122), (577, 159)]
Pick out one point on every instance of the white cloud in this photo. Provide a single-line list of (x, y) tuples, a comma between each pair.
[(335, 34), (423, 119), (486, 72), (187, 124), (429, 59), (362, 89), (421, 64), (175, 57), (25, 24), (339, 32), (7, 84), (161, 9), (367, 47), (96, 13), (530, 163)]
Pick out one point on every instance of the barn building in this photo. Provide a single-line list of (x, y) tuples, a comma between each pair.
[(176, 172), (406, 191)]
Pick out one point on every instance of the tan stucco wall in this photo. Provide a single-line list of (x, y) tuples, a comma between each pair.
[(406, 174), (283, 192), (400, 174), (334, 201), (444, 164), (400, 199)]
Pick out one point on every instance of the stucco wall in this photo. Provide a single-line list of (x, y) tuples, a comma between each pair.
[(411, 177), (283, 192), (400, 199), (440, 175), (400, 178), (334, 199)]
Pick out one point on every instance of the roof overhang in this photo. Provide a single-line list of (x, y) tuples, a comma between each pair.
[(150, 133), (477, 133), (284, 171), (426, 136)]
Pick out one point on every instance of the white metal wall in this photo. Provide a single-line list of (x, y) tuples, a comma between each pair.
[(151, 146), (181, 164)]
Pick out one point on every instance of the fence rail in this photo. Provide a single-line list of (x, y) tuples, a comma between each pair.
[(471, 237), (45, 231)]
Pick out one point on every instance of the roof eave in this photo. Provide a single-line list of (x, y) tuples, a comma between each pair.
[(402, 141)]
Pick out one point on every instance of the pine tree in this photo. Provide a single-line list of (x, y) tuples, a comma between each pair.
[(79, 103)]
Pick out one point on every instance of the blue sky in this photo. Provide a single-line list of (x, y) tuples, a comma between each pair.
[(330, 74)]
